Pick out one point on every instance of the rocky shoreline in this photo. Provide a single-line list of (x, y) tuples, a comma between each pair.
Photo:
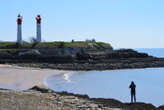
[(39, 98), (80, 59), (131, 63)]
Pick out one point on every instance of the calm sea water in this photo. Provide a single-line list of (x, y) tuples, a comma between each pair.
[(115, 83), (157, 52)]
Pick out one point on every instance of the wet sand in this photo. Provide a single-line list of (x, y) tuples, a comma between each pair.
[(21, 78)]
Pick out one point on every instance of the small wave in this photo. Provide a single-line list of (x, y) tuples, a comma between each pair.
[(67, 77)]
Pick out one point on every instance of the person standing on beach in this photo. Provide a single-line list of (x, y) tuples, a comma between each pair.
[(133, 91)]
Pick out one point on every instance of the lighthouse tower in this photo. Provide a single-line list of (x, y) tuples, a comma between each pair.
[(19, 29), (38, 28)]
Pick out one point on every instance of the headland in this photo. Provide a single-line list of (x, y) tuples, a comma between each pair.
[(80, 55)]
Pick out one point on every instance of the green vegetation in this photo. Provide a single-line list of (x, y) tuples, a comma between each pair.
[(13, 45), (77, 44)]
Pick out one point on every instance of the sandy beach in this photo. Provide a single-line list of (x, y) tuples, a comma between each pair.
[(21, 78)]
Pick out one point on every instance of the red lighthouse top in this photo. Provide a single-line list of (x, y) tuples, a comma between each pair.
[(19, 20), (38, 19)]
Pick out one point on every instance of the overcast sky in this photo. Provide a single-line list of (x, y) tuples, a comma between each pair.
[(122, 23)]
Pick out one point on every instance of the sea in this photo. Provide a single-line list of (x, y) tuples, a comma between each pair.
[(115, 83)]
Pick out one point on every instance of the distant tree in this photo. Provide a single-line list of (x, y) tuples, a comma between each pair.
[(61, 45), (87, 40), (33, 41), (93, 40), (72, 40)]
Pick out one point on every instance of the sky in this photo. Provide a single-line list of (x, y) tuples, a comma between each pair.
[(122, 23)]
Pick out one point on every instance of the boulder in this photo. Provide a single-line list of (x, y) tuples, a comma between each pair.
[(41, 89), (32, 52)]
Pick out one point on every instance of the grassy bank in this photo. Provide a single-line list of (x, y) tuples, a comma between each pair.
[(77, 44)]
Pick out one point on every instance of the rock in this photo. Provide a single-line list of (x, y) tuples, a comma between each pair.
[(114, 109), (42, 89), (32, 52), (161, 107), (139, 106), (93, 105), (83, 106), (90, 45)]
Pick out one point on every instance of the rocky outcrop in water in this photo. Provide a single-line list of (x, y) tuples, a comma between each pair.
[(80, 59), (67, 55), (100, 65)]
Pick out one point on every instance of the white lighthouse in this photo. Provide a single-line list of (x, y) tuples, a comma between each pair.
[(38, 28), (19, 29)]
